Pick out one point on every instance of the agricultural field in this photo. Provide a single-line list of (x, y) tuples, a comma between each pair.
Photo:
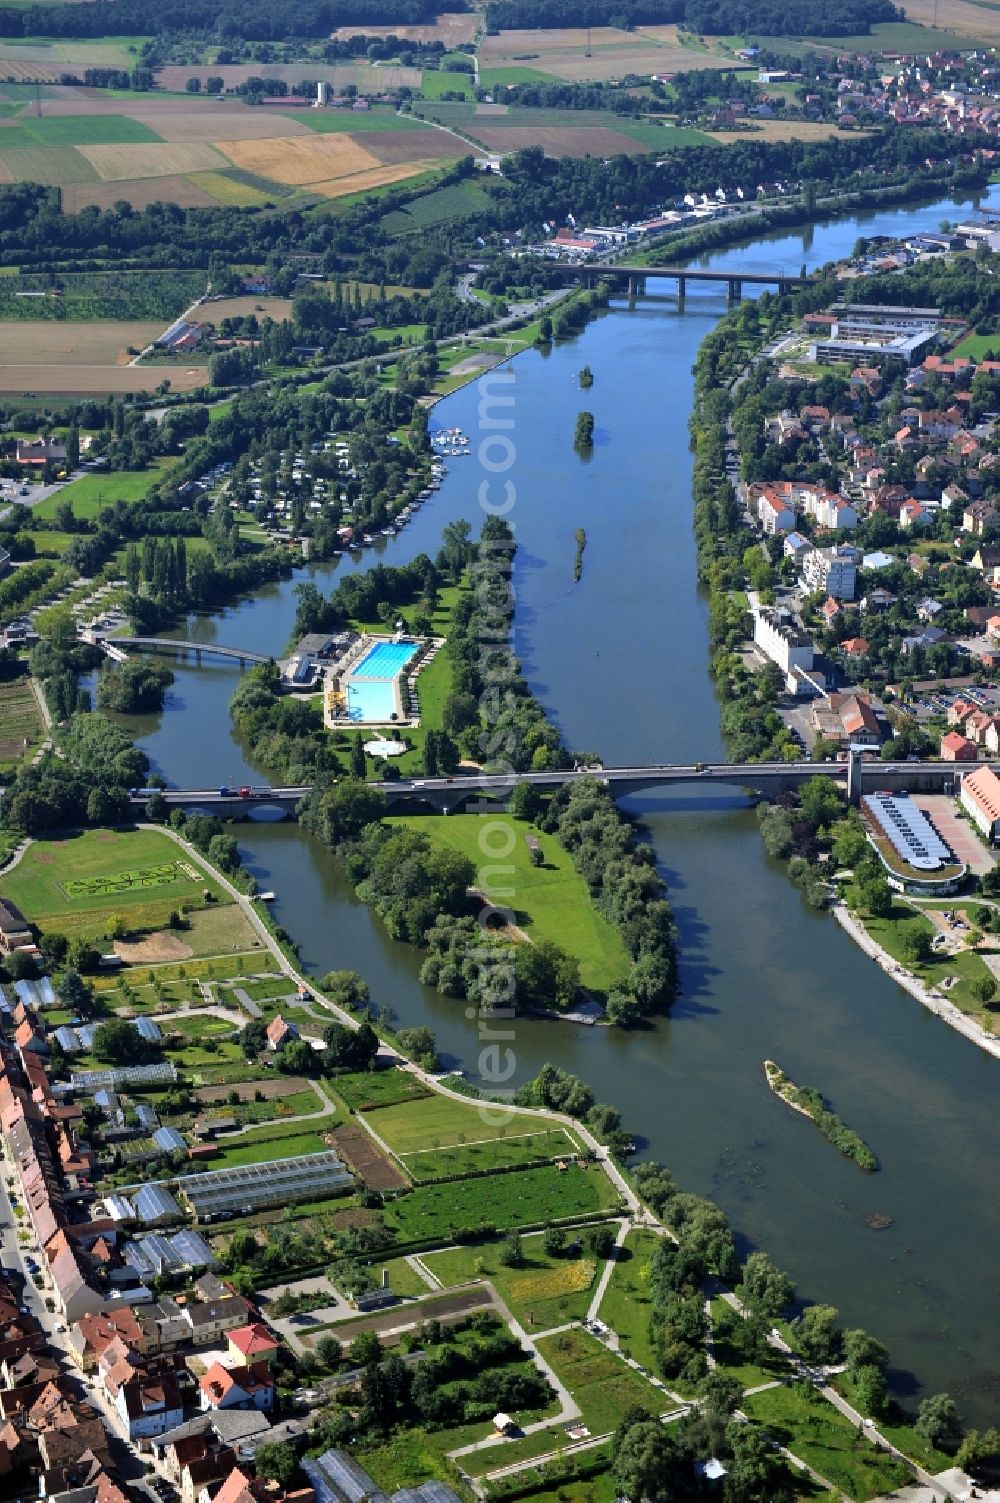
[(437, 83), (533, 1197), (62, 379), (572, 54), (782, 130), (99, 147), (552, 901), (276, 308), (437, 207), (967, 18), (46, 884), (451, 29), (44, 342), (21, 726), (366, 79), (360, 1152), (98, 489), (546, 1292)]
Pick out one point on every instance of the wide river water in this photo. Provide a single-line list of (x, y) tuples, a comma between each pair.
[(620, 662)]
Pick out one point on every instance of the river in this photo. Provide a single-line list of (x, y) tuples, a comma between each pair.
[(620, 662)]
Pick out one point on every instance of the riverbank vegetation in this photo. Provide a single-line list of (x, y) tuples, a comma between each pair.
[(581, 543), (809, 1101)]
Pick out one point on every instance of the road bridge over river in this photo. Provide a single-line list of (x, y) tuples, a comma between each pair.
[(635, 277), (470, 793)]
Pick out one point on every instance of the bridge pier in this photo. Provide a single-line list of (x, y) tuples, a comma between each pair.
[(636, 287), (681, 289), (735, 289)]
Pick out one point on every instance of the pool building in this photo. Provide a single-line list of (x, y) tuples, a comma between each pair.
[(376, 682)]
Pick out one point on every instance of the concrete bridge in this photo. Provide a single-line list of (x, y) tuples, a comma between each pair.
[(636, 277), (175, 644), (460, 793)]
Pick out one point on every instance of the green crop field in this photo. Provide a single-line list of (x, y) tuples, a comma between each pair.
[(357, 124), (435, 84), (21, 726), (43, 883), (499, 78), (440, 1121), (102, 488), (549, 901), (53, 166), (75, 130), (546, 1292), (438, 207), (530, 1197)]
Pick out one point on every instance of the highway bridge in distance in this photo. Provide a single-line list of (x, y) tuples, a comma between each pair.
[(636, 277), (463, 793)]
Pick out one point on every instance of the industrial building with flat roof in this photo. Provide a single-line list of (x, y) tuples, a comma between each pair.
[(251, 1187), (923, 861)]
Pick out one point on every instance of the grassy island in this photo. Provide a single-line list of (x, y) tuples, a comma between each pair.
[(808, 1101)]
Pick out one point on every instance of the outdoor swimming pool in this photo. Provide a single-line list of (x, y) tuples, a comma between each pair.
[(371, 688), (384, 660)]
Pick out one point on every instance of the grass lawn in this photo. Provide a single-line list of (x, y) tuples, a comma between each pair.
[(974, 346), (435, 83), (899, 1431), (403, 1280), (76, 885), (383, 1088), (440, 1121), (549, 901), (21, 725), (603, 1386), (224, 928), (496, 1153), (825, 1439), (531, 1197), (517, 73), (99, 489), (406, 1460), (269, 1143), (546, 1292), (626, 1306), (890, 933)]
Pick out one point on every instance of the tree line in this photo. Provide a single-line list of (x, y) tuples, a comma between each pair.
[(712, 17)]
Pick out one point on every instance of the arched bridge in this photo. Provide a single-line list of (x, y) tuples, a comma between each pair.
[(176, 644), (452, 795)]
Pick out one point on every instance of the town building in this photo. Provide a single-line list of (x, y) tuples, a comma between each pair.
[(980, 798), (778, 636), (957, 748), (833, 570)]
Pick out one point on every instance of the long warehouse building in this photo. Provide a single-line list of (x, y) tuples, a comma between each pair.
[(221, 1193)]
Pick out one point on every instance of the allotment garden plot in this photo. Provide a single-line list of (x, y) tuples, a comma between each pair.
[(438, 1137)]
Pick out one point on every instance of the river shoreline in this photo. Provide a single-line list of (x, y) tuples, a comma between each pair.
[(939, 1006)]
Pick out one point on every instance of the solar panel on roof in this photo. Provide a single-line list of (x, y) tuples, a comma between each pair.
[(908, 830)]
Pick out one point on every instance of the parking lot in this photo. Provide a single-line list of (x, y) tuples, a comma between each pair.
[(959, 833)]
